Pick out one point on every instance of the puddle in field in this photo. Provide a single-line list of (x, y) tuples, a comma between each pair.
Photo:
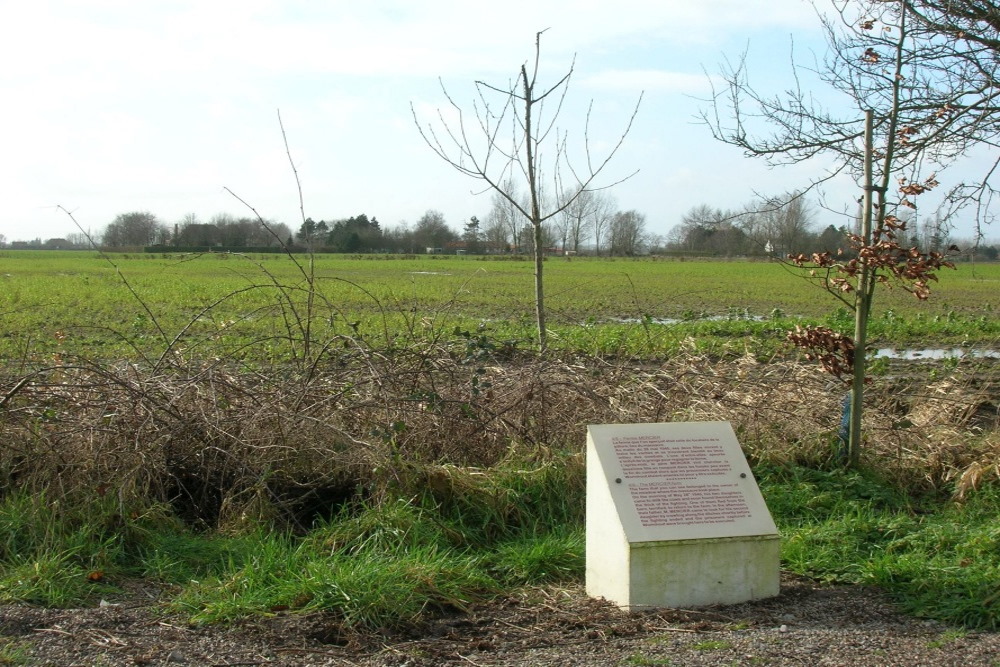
[(674, 320), (429, 273), (905, 354), (936, 354)]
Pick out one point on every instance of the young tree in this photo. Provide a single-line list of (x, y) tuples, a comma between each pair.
[(511, 125), (911, 114)]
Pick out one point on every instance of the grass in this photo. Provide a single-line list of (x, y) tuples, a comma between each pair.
[(13, 652), (389, 452), (711, 645), (640, 660), (73, 303), (372, 565), (947, 637), (937, 557), (390, 563), (452, 490)]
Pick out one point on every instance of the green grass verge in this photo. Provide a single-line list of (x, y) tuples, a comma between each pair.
[(454, 536), (936, 557)]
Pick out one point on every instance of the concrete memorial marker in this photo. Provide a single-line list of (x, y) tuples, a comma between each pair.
[(675, 518)]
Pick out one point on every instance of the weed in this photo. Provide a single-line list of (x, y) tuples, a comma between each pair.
[(14, 652), (711, 645), (640, 660), (947, 637)]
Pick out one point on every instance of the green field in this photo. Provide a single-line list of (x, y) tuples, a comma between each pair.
[(81, 303)]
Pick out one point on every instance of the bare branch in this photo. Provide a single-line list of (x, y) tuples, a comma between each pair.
[(494, 159)]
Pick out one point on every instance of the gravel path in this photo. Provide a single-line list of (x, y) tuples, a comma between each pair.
[(807, 624)]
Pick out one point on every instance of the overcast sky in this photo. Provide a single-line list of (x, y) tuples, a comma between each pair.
[(115, 106)]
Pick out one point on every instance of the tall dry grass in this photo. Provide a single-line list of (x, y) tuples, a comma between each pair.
[(225, 445)]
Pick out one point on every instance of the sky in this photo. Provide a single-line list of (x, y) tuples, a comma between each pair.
[(114, 106)]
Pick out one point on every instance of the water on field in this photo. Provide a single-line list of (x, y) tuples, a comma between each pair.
[(937, 353)]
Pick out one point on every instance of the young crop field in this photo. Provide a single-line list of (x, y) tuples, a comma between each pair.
[(220, 304)]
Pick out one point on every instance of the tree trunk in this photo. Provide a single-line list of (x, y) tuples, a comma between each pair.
[(536, 214), (862, 306)]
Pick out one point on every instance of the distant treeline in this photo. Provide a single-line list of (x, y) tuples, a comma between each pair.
[(215, 248)]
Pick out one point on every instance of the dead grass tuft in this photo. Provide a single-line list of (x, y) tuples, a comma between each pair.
[(228, 446)]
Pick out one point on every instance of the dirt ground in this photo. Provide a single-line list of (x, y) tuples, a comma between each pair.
[(807, 624)]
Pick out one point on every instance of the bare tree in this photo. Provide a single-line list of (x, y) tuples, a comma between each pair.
[(698, 227), (505, 219), (605, 208), (78, 240), (934, 232), (589, 213), (571, 224), (496, 234), (962, 45), (628, 233), (400, 238), (911, 116), (783, 224), (503, 139), (935, 62)]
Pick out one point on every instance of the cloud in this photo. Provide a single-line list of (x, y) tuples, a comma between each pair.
[(635, 80), (396, 38), (166, 98)]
